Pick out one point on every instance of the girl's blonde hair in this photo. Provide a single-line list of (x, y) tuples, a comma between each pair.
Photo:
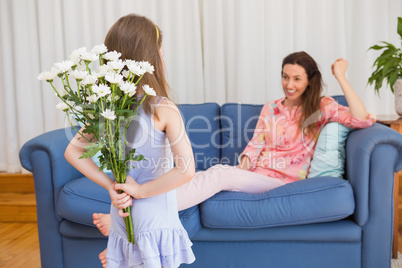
[(138, 38)]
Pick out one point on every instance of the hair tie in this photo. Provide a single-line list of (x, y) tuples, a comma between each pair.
[(157, 34)]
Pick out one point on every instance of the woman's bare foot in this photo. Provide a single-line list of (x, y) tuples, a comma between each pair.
[(102, 257), (102, 222)]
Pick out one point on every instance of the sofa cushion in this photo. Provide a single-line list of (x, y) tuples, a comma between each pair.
[(190, 219), (330, 152), (307, 201), (238, 124), (80, 198), (203, 129)]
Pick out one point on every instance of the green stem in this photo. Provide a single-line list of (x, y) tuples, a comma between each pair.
[(66, 87), (129, 226), (63, 100), (87, 64), (68, 117), (125, 131), (100, 59), (124, 101), (68, 84), (58, 95)]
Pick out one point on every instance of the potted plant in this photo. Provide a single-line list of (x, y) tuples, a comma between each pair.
[(389, 66)]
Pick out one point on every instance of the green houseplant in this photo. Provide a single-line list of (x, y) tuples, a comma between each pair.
[(388, 65)]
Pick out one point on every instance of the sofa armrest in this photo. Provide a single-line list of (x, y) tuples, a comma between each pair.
[(52, 144), (373, 155), (44, 157), (362, 168)]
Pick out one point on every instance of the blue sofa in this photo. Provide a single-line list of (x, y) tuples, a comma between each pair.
[(317, 222)]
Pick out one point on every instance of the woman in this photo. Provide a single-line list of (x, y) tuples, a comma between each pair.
[(277, 154)]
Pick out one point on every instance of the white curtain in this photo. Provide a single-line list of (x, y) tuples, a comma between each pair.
[(215, 50)]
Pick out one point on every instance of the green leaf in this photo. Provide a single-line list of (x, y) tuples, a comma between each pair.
[(126, 113), (391, 46), (92, 150), (130, 155), (377, 47), (138, 157), (390, 65), (400, 26), (392, 79)]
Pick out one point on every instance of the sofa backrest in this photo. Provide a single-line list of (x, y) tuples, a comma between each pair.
[(203, 129), (219, 135), (238, 123), (340, 99)]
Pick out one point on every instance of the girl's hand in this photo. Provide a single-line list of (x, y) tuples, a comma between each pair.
[(339, 68), (120, 201), (130, 187)]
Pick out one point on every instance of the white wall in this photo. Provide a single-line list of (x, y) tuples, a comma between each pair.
[(215, 50)]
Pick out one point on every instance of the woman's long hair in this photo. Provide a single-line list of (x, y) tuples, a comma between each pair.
[(311, 98), (138, 38)]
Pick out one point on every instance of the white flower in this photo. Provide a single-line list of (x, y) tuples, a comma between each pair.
[(48, 76), (98, 74), (125, 74), (62, 92), (89, 56), (89, 80), (114, 78), (149, 90), (147, 67), (75, 56), (116, 65), (135, 68), (103, 70), (55, 70), (92, 98), (112, 56), (81, 67), (78, 108), (99, 49), (78, 75), (62, 106), (108, 114), (101, 90), (64, 66), (109, 98), (128, 88), (91, 116)]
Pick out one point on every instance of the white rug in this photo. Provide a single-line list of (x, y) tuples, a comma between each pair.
[(397, 263)]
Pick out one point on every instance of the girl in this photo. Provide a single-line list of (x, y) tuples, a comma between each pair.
[(160, 239), (277, 153)]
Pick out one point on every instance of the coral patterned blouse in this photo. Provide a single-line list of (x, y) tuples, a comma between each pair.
[(276, 152)]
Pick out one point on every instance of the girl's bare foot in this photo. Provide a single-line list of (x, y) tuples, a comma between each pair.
[(102, 222), (102, 257)]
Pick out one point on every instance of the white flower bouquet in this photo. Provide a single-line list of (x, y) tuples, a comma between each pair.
[(102, 101)]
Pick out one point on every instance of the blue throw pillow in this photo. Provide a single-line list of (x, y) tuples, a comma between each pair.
[(329, 155)]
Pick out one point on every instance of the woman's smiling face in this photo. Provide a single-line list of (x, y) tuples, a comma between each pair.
[(294, 83)]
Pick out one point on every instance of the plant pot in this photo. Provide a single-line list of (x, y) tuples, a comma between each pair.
[(398, 96)]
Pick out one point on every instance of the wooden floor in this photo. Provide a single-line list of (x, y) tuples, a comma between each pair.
[(19, 245)]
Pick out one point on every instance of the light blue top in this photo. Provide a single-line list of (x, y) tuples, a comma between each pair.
[(160, 239)]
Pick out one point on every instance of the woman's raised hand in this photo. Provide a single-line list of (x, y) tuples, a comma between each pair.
[(339, 68)]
